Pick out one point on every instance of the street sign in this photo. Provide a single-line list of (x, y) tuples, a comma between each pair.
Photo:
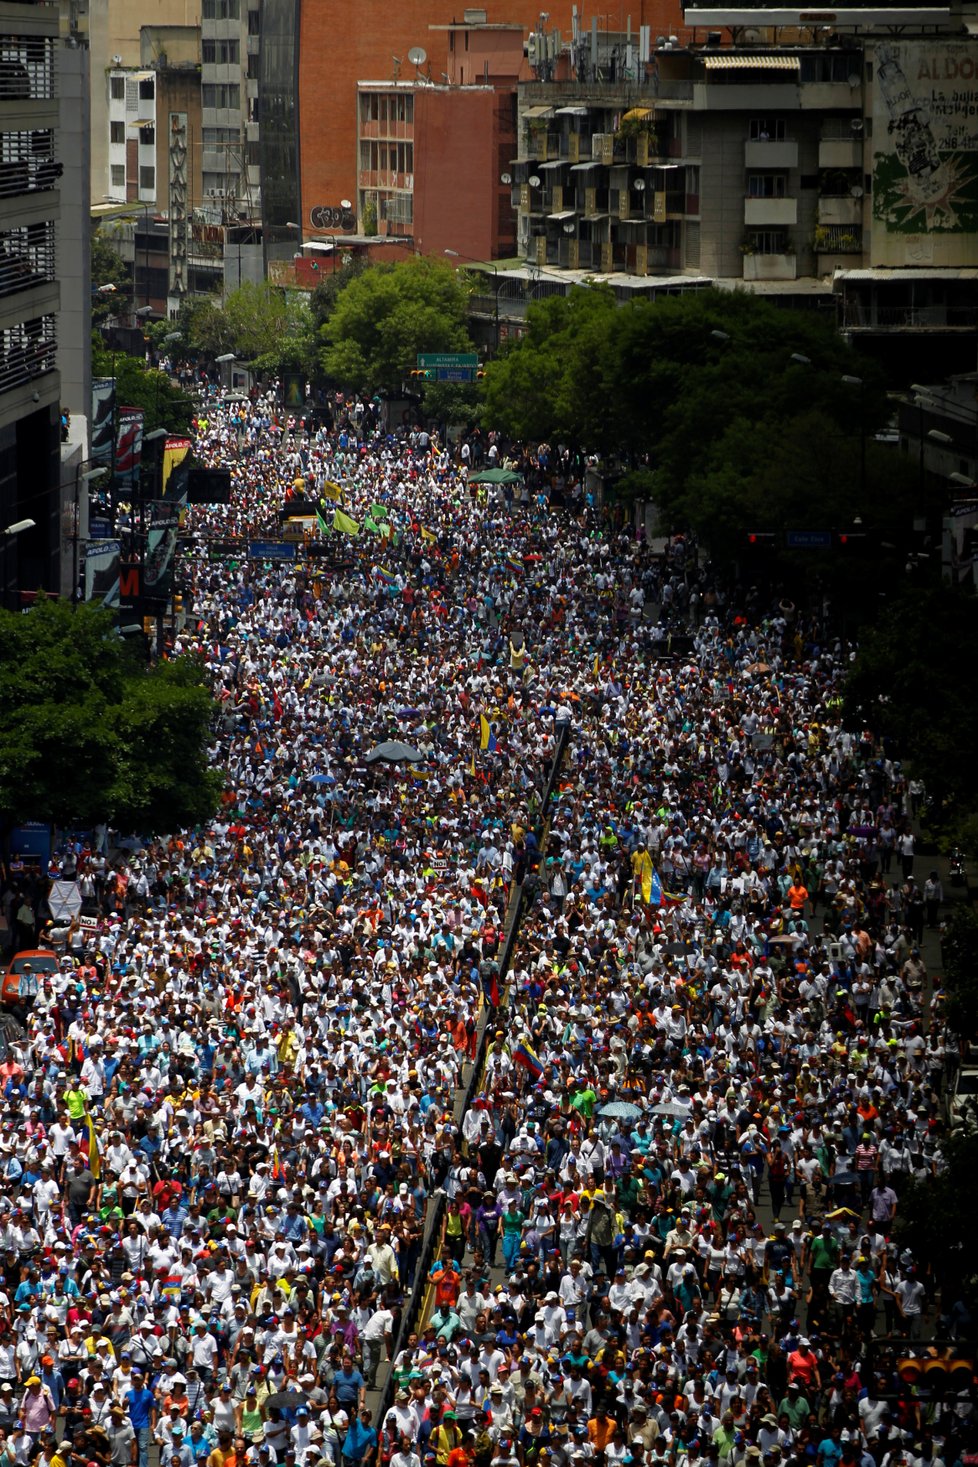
[(808, 539), (270, 550), (437, 359), (100, 529), (454, 374)]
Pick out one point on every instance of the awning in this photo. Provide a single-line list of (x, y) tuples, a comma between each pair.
[(584, 167), (664, 167), (538, 112), (634, 114), (554, 163), (564, 214), (571, 112), (594, 218), (752, 63), (918, 274)]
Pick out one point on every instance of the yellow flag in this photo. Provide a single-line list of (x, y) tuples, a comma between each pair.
[(344, 523), (597, 665), (645, 876), (428, 534), (94, 1161), (472, 765), (332, 491), (485, 732)]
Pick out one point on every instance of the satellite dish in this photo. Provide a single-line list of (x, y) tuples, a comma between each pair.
[(853, 79), (569, 228), (640, 185), (506, 178), (857, 191), (345, 204), (417, 56), (856, 124), (533, 180)]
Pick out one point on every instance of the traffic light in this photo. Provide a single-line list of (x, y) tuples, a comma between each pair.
[(149, 626), (760, 538), (177, 604), (479, 374), (424, 372), (850, 539)]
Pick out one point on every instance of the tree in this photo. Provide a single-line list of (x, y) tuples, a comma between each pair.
[(959, 953), (386, 316), (111, 277), (163, 403), (935, 1217), (88, 734), (915, 679)]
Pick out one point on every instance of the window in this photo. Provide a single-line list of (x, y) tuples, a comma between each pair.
[(219, 10), (766, 185), (254, 68), (147, 137), (117, 132), (254, 22), (147, 180), (117, 88), (216, 137), (767, 129), (220, 53), (118, 175), (221, 94), (767, 241), (147, 89)]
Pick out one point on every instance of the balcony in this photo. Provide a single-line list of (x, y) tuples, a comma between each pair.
[(840, 210), (762, 97), (840, 152), (865, 316), (28, 176), (768, 212), (770, 267), (770, 153), (24, 358)]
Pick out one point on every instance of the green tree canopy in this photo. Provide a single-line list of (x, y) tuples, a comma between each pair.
[(111, 277), (737, 409), (915, 678), (384, 317), (164, 404), (88, 733)]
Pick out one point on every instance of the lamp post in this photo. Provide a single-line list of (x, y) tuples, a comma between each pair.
[(484, 265), (6, 535), (224, 360)]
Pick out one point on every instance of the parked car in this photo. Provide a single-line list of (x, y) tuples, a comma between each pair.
[(21, 977)]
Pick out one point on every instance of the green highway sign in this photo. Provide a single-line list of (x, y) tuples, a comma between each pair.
[(444, 359)]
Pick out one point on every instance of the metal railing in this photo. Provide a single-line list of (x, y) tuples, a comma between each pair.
[(856, 318)]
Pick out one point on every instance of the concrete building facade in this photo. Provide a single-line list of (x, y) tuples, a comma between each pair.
[(29, 299)]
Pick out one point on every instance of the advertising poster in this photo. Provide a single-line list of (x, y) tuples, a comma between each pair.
[(925, 154), (161, 549), (129, 447), (103, 420), (102, 571), (175, 467)]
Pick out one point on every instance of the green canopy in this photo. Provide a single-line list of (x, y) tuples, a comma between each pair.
[(496, 476)]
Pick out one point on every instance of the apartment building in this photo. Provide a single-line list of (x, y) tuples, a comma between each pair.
[(29, 300)]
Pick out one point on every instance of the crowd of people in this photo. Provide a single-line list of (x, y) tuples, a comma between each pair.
[(713, 1068)]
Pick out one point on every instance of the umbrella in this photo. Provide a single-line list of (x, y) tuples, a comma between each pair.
[(287, 1400), (321, 779), (620, 1110), (782, 939), (668, 1108), (844, 1179), (496, 476), (393, 752), (758, 667)]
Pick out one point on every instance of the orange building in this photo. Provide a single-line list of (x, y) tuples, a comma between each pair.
[(313, 55)]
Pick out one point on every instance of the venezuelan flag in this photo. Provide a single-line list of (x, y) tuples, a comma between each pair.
[(527, 1057), (94, 1160)]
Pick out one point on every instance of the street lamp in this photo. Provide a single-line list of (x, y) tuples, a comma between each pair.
[(223, 360), (963, 481), (17, 528), (484, 265), (800, 358)]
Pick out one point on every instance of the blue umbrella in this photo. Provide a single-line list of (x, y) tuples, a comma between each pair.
[(321, 779)]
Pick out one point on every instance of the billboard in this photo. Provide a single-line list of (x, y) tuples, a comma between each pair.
[(102, 571), (925, 154), (129, 446), (175, 451), (161, 549), (103, 420)]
